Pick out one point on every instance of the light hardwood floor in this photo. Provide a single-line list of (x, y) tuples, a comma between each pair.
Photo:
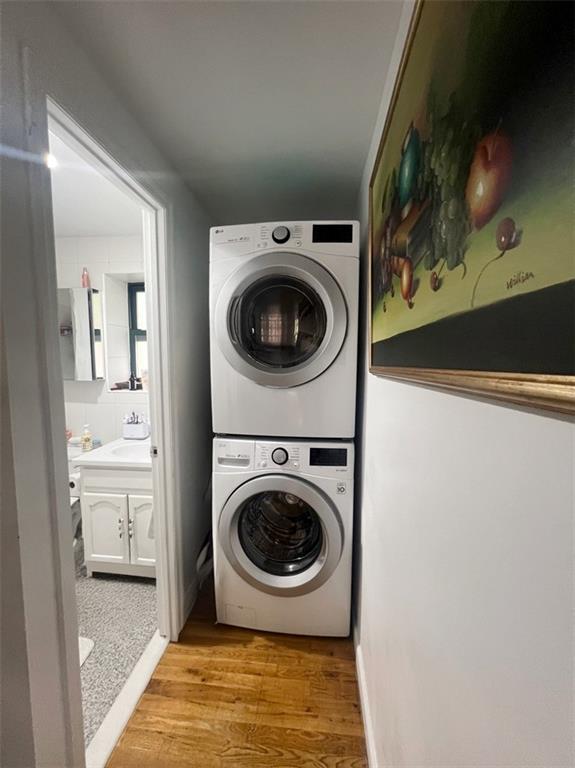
[(227, 697)]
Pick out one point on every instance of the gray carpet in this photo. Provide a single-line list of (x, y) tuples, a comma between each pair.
[(119, 614)]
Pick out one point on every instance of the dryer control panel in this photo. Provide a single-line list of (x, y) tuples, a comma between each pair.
[(338, 238)]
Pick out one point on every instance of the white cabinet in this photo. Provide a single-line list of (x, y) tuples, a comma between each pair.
[(141, 530), (105, 528), (118, 522)]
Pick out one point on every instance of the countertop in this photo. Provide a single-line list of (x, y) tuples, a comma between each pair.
[(119, 454)]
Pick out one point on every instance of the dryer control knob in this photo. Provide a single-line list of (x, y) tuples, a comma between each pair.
[(281, 235), (280, 456)]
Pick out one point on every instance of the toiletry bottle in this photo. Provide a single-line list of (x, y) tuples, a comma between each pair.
[(86, 438), (86, 278), (132, 381)]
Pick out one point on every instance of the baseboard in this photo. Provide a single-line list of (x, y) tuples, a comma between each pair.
[(108, 734), (365, 709)]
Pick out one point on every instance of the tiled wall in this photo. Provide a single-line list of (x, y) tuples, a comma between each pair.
[(90, 402), (100, 255)]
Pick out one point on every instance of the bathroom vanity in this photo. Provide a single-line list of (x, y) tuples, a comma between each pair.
[(117, 508)]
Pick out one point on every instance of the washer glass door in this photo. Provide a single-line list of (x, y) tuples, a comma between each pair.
[(281, 534)]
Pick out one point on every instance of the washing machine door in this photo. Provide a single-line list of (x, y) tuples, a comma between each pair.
[(281, 534), (281, 319)]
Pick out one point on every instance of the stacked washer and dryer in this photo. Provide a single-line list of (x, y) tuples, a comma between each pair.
[(283, 331)]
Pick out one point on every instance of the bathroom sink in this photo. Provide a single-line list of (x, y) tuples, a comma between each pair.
[(120, 454), (132, 450)]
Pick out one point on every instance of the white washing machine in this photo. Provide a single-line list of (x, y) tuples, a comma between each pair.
[(283, 328), (282, 528)]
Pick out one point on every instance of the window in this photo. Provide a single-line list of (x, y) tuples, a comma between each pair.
[(138, 328)]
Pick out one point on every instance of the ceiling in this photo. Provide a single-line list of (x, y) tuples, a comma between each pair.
[(85, 203), (265, 108)]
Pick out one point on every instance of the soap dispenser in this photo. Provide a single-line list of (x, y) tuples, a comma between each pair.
[(87, 438)]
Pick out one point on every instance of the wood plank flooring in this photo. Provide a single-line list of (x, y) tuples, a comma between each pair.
[(225, 697)]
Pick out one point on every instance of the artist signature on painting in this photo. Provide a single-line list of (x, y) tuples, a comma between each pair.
[(518, 278)]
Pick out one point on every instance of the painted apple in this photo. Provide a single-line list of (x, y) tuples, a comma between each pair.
[(407, 282), (489, 177)]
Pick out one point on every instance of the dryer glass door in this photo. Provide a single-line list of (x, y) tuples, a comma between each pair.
[(279, 322), (281, 534), (281, 319)]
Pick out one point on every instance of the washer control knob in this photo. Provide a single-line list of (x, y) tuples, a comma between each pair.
[(281, 235), (280, 456)]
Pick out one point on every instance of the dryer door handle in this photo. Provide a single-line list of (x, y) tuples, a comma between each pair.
[(231, 319)]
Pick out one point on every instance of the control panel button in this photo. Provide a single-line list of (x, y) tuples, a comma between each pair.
[(281, 235), (280, 456)]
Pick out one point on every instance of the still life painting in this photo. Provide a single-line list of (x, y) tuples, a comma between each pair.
[(472, 203)]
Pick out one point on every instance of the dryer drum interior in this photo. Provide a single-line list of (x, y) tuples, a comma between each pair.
[(280, 532), (279, 321)]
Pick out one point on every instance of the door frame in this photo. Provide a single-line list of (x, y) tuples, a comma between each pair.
[(35, 412), (160, 401)]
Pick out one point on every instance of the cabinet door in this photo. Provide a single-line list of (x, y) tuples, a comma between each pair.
[(104, 526), (142, 542)]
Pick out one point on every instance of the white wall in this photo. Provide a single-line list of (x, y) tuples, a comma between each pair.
[(465, 573), (91, 402), (59, 68)]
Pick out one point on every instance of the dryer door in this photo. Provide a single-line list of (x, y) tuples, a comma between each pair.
[(281, 319), (281, 534)]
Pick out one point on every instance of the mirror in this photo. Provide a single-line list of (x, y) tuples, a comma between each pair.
[(80, 323)]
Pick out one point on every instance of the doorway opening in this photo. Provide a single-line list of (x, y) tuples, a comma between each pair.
[(108, 246)]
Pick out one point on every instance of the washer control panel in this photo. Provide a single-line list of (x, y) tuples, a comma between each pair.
[(313, 458), (277, 456)]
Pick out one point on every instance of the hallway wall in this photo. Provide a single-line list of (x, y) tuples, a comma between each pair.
[(32, 31), (464, 571)]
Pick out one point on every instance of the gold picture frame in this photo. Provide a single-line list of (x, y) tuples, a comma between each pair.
[(541, 391)]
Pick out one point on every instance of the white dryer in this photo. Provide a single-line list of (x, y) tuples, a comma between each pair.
[(282, 528), (283, 328)]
